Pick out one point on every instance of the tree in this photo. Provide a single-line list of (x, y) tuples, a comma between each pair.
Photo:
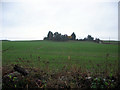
[(50, 35), (84, 39), (64, 37), (97, 40), (56, 36), (89, 37), (73, 36), (45, 38)]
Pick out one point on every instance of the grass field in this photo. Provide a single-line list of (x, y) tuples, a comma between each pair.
[(66, 59), (58, 54)]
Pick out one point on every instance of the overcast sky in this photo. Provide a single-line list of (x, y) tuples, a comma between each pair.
[(32, 19)]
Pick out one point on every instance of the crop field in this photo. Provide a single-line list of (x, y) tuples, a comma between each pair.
[(51, 56), (57, 54)]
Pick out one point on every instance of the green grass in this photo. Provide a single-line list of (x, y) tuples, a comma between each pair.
[(86, 55)]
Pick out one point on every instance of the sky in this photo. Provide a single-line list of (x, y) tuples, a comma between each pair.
[(32, 19)]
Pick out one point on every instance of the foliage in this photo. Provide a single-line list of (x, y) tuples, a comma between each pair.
[(59, 37), (73, 36), (66, 78), (50, 35)]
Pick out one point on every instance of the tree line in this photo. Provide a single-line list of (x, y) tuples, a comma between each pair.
[(59, 37)]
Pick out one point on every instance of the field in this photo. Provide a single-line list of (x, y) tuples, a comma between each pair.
[(51, 56)]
